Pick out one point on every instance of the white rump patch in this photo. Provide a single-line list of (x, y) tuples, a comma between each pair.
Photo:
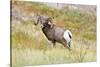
[(66, 36)]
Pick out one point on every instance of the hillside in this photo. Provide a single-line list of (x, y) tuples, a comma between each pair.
[(28, 39)]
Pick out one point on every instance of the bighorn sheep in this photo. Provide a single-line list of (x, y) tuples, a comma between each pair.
[(53, 32)]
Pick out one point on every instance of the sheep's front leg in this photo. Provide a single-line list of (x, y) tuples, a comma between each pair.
[(54, 43)]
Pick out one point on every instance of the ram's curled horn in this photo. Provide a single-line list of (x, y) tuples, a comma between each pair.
[(50, 21), (37, 18)]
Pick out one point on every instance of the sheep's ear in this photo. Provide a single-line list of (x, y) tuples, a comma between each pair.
[(50, 19)]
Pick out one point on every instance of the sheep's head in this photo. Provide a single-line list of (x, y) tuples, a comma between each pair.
[(44, 21)]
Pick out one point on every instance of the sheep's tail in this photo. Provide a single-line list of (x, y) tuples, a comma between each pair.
[(68, 36)]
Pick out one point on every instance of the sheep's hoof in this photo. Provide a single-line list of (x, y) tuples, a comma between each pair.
[(69, 49)]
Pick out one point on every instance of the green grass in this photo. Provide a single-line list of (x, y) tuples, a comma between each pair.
[(31, 47)]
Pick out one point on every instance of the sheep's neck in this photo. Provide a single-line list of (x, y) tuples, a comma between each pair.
[(49, 32)]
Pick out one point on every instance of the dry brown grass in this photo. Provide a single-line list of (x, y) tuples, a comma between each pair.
[(31, 47)]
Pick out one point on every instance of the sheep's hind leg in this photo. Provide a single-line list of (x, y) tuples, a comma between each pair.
[(65, 45), (69, 44)]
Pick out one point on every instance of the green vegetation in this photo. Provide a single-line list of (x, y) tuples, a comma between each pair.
[(31, 47)]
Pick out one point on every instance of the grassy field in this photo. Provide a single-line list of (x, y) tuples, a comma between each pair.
[(31, 47)]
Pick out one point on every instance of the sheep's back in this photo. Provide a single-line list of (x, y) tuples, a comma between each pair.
[(59, 32)]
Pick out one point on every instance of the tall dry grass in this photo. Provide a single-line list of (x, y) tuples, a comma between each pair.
[(31, 47)]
